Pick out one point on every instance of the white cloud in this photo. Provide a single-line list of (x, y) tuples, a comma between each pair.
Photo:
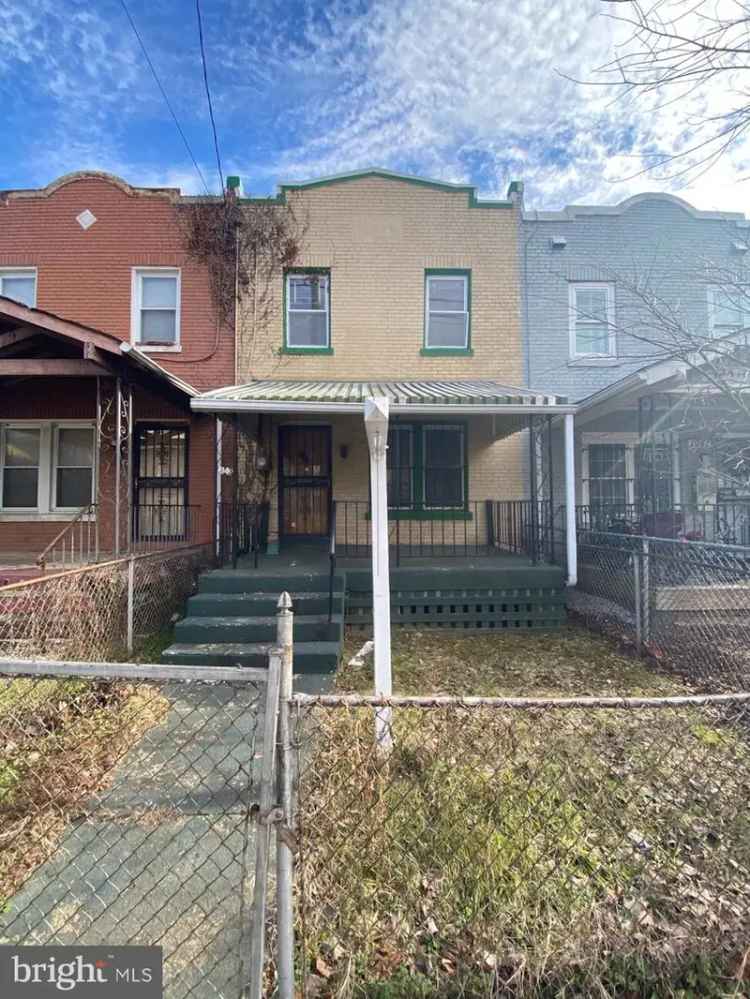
[(472, 87)]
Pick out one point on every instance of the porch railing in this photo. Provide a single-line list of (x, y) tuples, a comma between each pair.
[(76, 544), (241, 529), (164, 525), (480, 529), (524, 527), (726, 522)]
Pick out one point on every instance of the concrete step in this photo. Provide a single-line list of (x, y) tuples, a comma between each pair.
[(261, 604), (307, 628), (237, 581), (309, 657)]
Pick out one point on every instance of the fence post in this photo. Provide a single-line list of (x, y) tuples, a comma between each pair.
[(646, 589), (637, 598), (284, 853), (267, 814), (131, 602)]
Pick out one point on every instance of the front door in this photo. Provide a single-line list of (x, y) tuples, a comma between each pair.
[(304, 481)]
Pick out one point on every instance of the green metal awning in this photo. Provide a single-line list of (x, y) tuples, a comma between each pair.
[(425, 397)]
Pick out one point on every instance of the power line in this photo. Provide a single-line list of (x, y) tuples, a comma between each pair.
[(164, 95), (208, 95)]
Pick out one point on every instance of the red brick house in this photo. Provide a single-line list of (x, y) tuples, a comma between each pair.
[(107, 329)]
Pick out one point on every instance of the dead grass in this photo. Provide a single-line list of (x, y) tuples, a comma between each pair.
[(525, 853), (568, 662), (60, 741)]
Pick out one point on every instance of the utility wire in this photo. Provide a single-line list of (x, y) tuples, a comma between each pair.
[(164, 95), (208, 95)]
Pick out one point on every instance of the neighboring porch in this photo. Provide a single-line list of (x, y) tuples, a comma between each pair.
[(96, 442), (670, 461)]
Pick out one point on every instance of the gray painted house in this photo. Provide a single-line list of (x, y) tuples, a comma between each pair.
[(587, 272), (584, 329)]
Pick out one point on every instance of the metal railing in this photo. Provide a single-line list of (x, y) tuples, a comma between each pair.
[(76, 544), (525, 527), (427, 533), (331, 560), (241, 529), (164, 525), (726, 522)]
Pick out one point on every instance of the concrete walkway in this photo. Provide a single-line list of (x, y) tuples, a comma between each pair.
[(165, 855)]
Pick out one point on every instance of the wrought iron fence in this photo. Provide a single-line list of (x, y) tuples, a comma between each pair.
[(522, 847), (412, 534), (686, 604), (127, 806), (525, 527), (164, 525), (98, 611), (241, 529), (727, 522)]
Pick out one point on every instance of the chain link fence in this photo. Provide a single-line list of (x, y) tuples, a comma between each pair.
[(127, 809), (100, 611), (522, 848), (686, 605)]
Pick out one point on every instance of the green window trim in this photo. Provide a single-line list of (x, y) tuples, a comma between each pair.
[(418, 510), (427, 514), (306, 350), (286, 347), (443, 351)]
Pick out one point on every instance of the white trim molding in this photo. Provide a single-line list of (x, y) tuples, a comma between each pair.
[(136, 288), (576, 319), (20, 272)]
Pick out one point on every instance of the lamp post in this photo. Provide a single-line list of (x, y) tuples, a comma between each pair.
[(376, 425)]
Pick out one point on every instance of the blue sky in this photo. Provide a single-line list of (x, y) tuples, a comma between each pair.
[(465, 90)]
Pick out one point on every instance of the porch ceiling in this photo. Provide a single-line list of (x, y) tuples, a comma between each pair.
[(414, 397)]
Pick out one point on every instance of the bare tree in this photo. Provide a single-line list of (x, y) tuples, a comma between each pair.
[(676, 50)]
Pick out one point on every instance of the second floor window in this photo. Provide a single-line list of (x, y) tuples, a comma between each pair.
[(156, 308), (728, 310), (19, 284), (447, 311), (592, 331), (308, 325)]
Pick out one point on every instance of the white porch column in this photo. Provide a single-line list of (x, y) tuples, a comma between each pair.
[(376, 424), (571, 541)]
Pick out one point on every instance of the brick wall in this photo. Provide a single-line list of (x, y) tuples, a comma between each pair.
[(378, 236), (85, 275)]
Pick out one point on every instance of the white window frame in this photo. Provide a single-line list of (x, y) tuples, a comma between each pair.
[(454, 312), (47, 484), (289, 310), (712, 310), (20, 272), (55, 450), (574, 319), (138, 273)]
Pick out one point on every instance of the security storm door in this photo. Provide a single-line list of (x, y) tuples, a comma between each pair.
[(160, 484), (305, 480)]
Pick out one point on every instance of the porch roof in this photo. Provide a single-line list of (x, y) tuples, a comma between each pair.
[(98, 350), (416, 397)]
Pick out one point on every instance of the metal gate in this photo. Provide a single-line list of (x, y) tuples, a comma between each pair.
[(305, 480)]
